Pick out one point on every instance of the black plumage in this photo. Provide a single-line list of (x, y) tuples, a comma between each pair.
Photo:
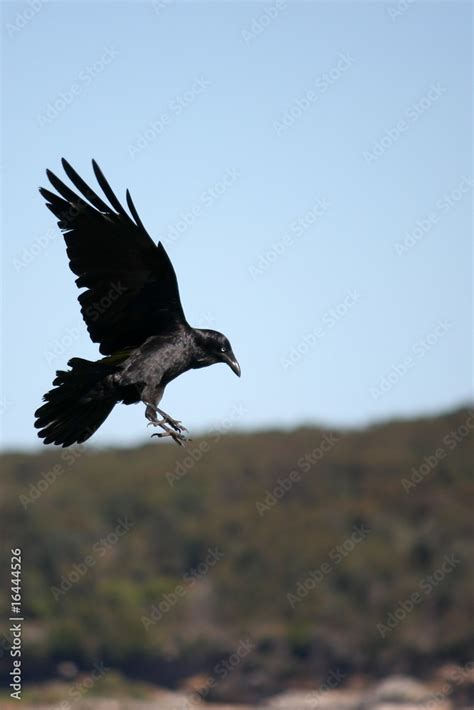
[(131, 307)]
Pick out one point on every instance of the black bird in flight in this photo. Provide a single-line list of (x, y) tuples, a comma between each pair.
[(131, 306)]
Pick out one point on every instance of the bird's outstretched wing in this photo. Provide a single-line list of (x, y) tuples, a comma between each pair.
[(131, 287)]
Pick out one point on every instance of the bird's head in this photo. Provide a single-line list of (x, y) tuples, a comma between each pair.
[(214, 347)]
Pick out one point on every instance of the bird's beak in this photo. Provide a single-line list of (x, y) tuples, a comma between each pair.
[(231, 360)]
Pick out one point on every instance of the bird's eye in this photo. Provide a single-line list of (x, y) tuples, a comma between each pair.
[(223, 349)]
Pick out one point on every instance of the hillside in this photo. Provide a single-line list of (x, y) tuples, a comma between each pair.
[(293, 553)]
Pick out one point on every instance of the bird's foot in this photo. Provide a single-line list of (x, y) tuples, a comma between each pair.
[(172, 427), (179, 438), (175, 424)]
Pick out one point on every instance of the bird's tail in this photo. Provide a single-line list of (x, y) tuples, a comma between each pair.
[(77, 405)]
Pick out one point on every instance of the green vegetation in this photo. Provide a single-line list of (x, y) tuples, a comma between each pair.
[(322, 549)]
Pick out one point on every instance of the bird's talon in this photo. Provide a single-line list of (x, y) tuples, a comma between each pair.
[(175, 424), (178, 438)]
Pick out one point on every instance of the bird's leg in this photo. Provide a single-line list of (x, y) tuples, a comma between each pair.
[(150, 414), (173, 423)]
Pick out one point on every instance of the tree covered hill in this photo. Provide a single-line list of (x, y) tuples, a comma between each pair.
[(318, 549)]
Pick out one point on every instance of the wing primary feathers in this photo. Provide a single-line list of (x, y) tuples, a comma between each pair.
[(134, 212), (108, 190), (50, 196), (62, 210), (64, 190), (83, 187)]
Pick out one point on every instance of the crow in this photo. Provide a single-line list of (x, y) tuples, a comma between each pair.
[(131, 307)]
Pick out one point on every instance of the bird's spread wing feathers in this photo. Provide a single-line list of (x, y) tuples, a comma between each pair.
[(131, 287)]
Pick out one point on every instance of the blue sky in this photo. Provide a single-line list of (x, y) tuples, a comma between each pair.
[(308, 166)]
